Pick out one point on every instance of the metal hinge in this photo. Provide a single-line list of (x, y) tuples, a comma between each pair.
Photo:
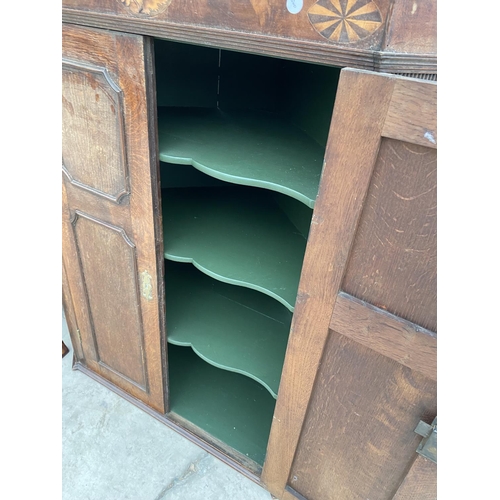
[(428, 446), (146, 285)]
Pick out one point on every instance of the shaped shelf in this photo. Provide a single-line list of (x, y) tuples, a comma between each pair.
[(231, 327), (237, 235), (233, 408), (243, 147)]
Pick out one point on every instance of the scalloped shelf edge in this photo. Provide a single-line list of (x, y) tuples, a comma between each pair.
[(223, 367), (223, 279), (244, 181)]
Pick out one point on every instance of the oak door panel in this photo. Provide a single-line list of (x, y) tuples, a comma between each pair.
[(360, 369), (393, 259), (108, 262), (420, 483), (110, 232), (358, 439), (93, 146)]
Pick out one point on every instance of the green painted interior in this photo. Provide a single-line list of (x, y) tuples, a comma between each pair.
[(235, 234), (258, 149), (194, 76), (308, 95), (242, 140), (233, 328), (186, 75), (231, 407), (249, 82), (302, 94), (300, 215), (180, 176)]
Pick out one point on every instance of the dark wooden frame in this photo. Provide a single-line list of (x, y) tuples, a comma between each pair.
[(397, 51)]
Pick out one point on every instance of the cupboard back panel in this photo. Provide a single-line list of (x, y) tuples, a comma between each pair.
[(361, 417), (195, 76), (393, 259), (186, 75)]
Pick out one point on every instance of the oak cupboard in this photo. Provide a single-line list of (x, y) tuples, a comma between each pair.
[(249, 230)]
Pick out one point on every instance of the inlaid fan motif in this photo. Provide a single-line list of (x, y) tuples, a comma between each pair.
[(146, 7), (345, 21)]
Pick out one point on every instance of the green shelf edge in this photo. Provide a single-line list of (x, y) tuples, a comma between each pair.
[(233, 328), (237, 235), (231, 407), (243, 147)]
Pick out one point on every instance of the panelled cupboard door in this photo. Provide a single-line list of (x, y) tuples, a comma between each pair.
[(360, 369), (112, 291)]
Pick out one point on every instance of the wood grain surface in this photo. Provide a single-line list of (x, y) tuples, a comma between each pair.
[(393, 264), (358, 438), (93, 128), (267, 17), (413, 27), (359, 114), (420, 483), (110, 242), (267, 27), (405, 342), (373, 233), (412, 114)]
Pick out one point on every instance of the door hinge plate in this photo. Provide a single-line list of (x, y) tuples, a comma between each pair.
[(146, 285), (428, 446)]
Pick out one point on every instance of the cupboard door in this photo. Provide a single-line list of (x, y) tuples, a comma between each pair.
[(112, 248), (360, 368)]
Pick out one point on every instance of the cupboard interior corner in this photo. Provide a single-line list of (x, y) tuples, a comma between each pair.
[(241, 145)]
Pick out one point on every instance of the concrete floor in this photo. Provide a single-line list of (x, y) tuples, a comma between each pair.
[(114, 451)]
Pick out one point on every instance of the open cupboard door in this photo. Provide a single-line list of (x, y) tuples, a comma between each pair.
[(360, 368), (113, 296)]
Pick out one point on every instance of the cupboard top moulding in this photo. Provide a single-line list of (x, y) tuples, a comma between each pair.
[(395, 36)]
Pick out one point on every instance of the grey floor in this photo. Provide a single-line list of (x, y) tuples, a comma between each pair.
[(114, 451)]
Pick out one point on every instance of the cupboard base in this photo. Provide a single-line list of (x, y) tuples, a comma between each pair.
[(229, 456)]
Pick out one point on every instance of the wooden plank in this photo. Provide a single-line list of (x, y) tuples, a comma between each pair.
[(359, 113), (256, 43), (412, 114), (412, 27), (109, 212), (400, 340), (358, 437), (267, 18), (393, 262), (154, 162), (420, 483)]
